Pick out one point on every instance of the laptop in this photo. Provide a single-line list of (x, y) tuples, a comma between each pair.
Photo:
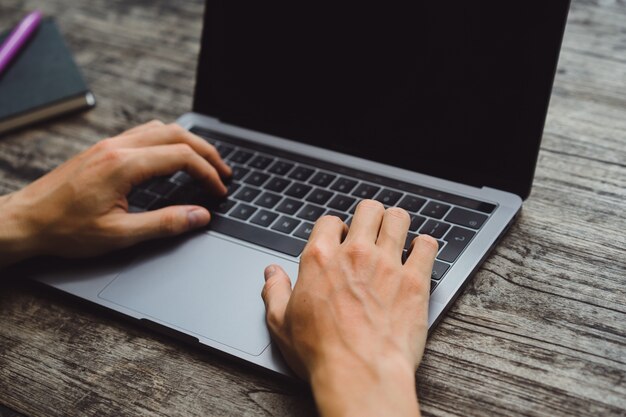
[(434, 107)]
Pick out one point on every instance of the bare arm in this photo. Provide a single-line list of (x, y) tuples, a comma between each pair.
[(80, 208), (355, 323)]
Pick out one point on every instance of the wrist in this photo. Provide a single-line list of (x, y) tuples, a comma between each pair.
[(382, 386), (18, 236)]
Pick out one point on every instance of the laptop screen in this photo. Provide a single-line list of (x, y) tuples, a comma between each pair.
[(455, 89)]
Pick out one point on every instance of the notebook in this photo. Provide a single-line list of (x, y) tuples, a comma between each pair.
[(42, 82)]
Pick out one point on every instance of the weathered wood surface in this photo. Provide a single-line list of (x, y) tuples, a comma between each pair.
[(541, 329)]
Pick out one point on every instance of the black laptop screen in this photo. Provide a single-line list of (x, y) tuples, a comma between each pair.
[(456, 89)]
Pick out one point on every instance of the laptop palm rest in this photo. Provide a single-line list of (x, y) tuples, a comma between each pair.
[(205, 285)]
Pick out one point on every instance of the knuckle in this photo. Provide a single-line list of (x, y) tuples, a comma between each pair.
[(169, 223), (398, 213), (104, 145), (184, 149), (113, 156), (176, 129), (273, 317), (357, 249), (429, 242), (212, 149), (315, 252), (155, 122), (372, 205), (330, 219)]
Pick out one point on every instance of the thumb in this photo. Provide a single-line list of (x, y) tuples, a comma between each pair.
[(276, 294), (168, 221)]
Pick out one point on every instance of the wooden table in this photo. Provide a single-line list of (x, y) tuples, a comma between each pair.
[(540, 330)]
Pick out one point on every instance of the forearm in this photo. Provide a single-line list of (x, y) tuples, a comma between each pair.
[(384, 388), (17, 237)]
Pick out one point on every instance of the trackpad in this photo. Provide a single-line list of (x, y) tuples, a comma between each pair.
[(205, 285)]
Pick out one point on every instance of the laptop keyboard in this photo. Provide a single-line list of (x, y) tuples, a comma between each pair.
[(275, 198)]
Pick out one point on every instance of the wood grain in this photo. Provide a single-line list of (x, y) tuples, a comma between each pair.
[(540, 330)]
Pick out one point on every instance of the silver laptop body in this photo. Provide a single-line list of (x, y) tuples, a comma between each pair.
[(205, 287)]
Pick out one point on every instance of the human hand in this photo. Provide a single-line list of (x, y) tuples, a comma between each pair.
[(80, 208), (355, 323)]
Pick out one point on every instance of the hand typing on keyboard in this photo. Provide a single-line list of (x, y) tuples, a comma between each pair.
[(81, 209), (355, 324)]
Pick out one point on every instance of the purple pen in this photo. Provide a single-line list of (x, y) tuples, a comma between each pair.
[(18, 37)]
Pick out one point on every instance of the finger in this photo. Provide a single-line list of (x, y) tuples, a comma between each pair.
[(328, 230), (173, 134), (142, 127), (169, 221), (276, 293), (366, 222), (422, 256), (393, 231), (154, 161)]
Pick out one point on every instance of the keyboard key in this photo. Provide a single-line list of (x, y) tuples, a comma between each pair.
[(416, 222), (243, 211), (241, 157), (247, 194), (289, 206), (341, 202), (319, 196), (435, 229), (466, 218), (268, 200), (186, 194), (162, 187), (304, 231), (260, 162), (224, 206), (322, 179), (182, 178), (258, 236), (409, 240), (232, 187), (342, 216), (435, 209), (281, 167), (458, 238), (298, 190), (311, 212), (388, 197), (277, 184), (301, 173), (366, 191), (412, 203), (433, 285), (286, 224), (343, 185), (256, 178), (264, 218), (224, 150), (161, 202), (239, 172), (439, 270), (141, 199)]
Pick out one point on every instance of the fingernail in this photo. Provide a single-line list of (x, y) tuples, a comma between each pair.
[(198, 218), (269, 271)]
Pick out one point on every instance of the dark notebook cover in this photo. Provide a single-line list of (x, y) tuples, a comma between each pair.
[(42, 81)]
